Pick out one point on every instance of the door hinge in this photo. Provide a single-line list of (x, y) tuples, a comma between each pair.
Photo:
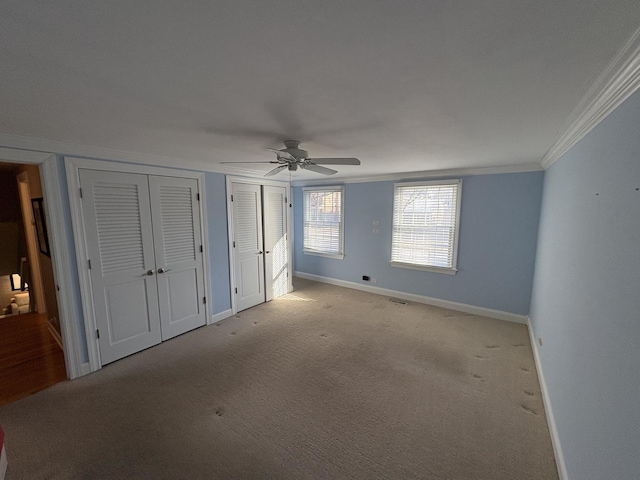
[(285, 199), (204, 299), (234, 244), (80, 192), (198, 196), (97, 333), (201, 250), (232, 198), (236, 289), (89, 262)]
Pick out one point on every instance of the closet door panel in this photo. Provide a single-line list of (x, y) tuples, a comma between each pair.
[(275, 241), (117, 223), (248, 248), (179, 259)]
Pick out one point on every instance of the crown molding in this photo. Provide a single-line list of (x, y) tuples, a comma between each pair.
[(33, 147), (35, 150), (451, 172), (617, 83)]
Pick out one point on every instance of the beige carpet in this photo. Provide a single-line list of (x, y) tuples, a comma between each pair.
[(326, 383)]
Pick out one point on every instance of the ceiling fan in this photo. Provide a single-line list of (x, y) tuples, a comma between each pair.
[(291, 157)]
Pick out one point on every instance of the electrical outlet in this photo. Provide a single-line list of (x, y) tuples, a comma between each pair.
[(376, 222), (374, 280), (376, 230), (540, 340)]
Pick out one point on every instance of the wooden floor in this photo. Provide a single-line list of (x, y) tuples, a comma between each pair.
[(30, 358)]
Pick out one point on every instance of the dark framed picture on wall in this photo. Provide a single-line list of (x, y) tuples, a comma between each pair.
[(41, 226)]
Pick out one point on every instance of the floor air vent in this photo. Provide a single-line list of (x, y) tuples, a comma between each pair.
[(397, 300)]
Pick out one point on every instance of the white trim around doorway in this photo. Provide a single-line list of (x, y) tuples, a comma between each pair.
[(51, 192)]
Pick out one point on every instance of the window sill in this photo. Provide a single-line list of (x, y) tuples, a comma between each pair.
[(426, 268), (338, 256)]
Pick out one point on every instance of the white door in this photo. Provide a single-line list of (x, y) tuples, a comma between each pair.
[(178, 253), (119, 235), (247, 245), (275, 241)]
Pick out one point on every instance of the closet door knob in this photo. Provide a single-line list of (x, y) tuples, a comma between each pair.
[(163, 270), (266, 251), (150, 272), (260, 252)]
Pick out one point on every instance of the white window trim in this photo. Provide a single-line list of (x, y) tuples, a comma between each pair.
[(318, 253), (454, 261)]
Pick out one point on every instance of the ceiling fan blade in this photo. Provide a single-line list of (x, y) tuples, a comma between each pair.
[(271, 161), (281, 154), (319, 169), (274, 171), (334, 161)]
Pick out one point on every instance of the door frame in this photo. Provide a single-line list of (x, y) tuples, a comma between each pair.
[(54, 214), (72, 167), (257, 181), (24, 192)]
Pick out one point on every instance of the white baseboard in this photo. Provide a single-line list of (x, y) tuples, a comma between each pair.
[(412, 297), (85, 369), (555, 440), (220, 316), (54, 333)]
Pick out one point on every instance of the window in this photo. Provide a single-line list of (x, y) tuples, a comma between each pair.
[(324, 221), (426, 216)]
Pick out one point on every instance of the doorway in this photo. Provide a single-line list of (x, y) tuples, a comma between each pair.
[(31, 353)]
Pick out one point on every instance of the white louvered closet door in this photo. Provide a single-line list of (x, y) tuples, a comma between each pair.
[(275, 241), (247, 248), (118, 230), (179, 259)]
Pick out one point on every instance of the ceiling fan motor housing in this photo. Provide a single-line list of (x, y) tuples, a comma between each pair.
[(292, 148)]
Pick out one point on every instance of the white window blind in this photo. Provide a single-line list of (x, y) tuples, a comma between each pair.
[(425, 224), (323, 221)]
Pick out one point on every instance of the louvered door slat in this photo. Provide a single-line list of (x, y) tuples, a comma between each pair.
[(177, 224), (276, 216), (123, 251), (247, 221)]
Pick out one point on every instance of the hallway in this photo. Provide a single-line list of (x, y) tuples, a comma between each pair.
[(30, 358)]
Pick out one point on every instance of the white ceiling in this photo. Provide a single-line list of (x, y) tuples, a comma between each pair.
[(403, 85)]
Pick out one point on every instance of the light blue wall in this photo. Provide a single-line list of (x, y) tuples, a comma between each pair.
[(586, 298), (498, 232), (218, 242)]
